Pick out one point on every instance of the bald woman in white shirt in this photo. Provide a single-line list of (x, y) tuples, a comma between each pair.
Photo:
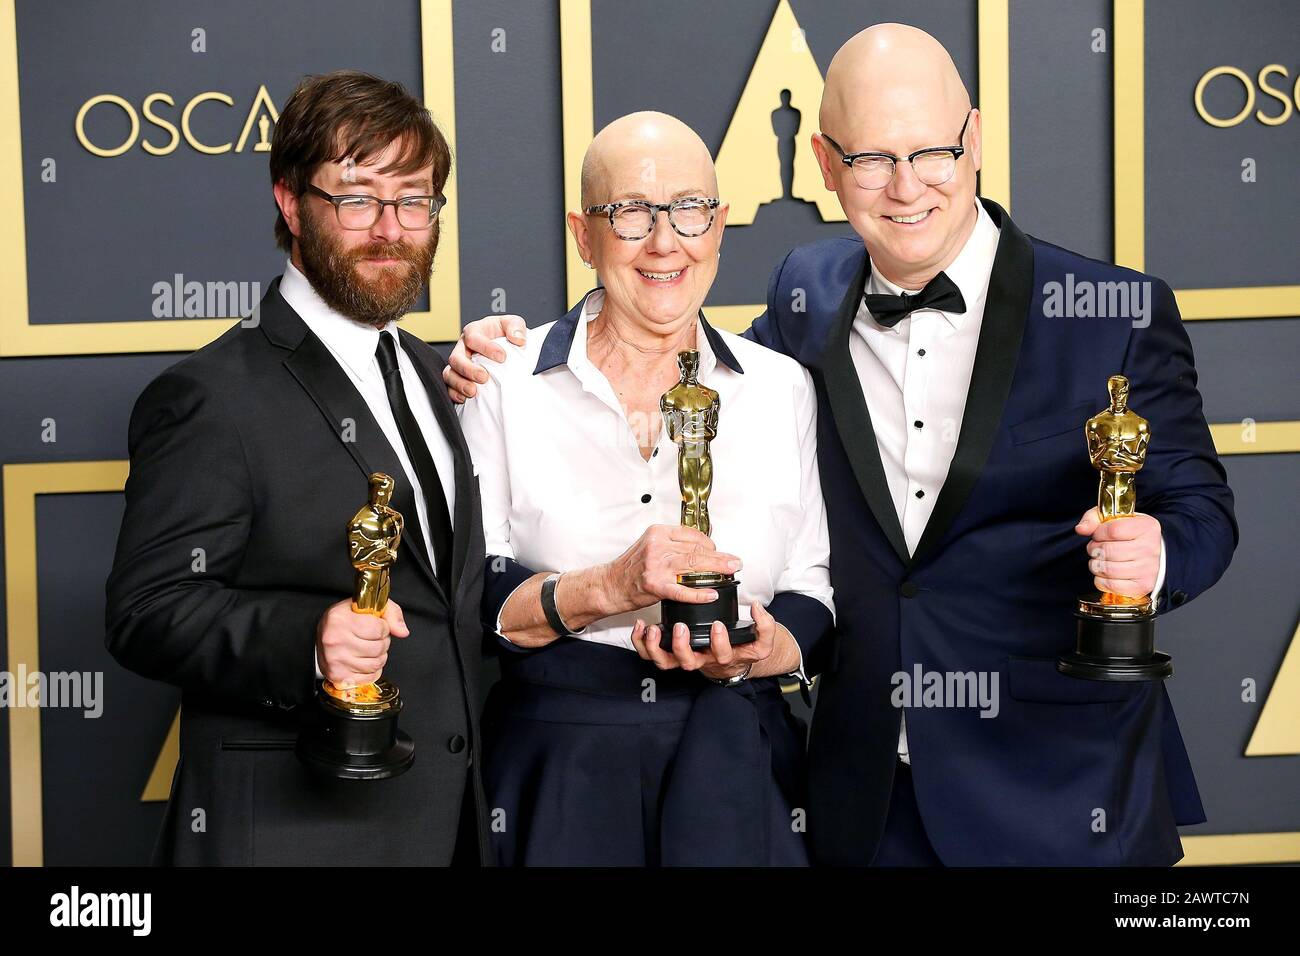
[(603, 748)]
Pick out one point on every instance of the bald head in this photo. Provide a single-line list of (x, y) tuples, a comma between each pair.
[(894, 89), (886, 75), (640, 148)]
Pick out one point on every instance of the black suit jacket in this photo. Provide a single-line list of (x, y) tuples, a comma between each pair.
[(247, 459)]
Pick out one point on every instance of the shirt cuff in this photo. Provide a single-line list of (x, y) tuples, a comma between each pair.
[(798, 671), (807, 619), (502, 576), (500, 633), (1160, 577)]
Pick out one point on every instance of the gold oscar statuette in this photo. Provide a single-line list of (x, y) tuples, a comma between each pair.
[(356, 735), (1116, 632), (690, 413)]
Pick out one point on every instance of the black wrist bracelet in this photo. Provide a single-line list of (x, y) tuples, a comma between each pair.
[(548, 606)]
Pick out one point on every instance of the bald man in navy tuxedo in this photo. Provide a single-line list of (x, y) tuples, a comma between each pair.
[(954, 378)]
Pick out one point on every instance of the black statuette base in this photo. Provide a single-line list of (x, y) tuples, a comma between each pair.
[(353, 746), (1116, 650), (700, 617)]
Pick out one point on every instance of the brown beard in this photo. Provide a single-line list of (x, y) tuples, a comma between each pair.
[(333, 272)]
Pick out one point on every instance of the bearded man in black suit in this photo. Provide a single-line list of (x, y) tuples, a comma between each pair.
[(257, 449)]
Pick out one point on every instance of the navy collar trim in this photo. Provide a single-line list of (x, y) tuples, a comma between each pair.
[(559, 340)]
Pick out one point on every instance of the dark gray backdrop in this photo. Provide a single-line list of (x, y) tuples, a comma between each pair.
[(99, 238)]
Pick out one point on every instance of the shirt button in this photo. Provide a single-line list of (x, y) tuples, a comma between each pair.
[(645, 499), (918, 423), (456, 744), (920, 493), (920, 352)]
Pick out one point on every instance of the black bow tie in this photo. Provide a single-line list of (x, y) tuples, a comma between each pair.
[(939, 293)]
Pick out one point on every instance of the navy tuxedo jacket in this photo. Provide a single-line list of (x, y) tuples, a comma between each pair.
[(1069, 771)]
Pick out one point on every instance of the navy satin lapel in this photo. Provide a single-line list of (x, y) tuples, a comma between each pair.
[(853, 418), (450, 425), (555, 347), (1006, 308), (334, 394), (721, 350)]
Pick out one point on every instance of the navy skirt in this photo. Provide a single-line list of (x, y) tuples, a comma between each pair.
[(594, 757)]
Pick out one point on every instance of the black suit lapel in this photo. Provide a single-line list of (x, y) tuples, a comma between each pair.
[(422, 356), (329, 387), (1006, 309), (852, 418)]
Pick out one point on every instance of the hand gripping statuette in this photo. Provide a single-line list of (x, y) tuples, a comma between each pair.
[(354, 735), (690, 412), (1116, 633)]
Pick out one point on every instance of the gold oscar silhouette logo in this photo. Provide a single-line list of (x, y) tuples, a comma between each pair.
[(766, 154)]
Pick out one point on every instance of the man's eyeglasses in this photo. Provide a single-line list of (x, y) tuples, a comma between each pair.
[(362, 212), (635, 219), (933, 166)]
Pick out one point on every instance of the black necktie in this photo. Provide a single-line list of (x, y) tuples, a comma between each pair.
[(939, 293), (426, 472)]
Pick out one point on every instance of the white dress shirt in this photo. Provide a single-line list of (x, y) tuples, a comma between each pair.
[(915, 377), (564, 486), (353, 346)]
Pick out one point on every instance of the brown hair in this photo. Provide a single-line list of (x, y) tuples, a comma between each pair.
[(348, 113)]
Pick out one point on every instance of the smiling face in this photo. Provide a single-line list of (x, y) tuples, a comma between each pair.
[(370, 275), (894, 89), (659, 281)]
